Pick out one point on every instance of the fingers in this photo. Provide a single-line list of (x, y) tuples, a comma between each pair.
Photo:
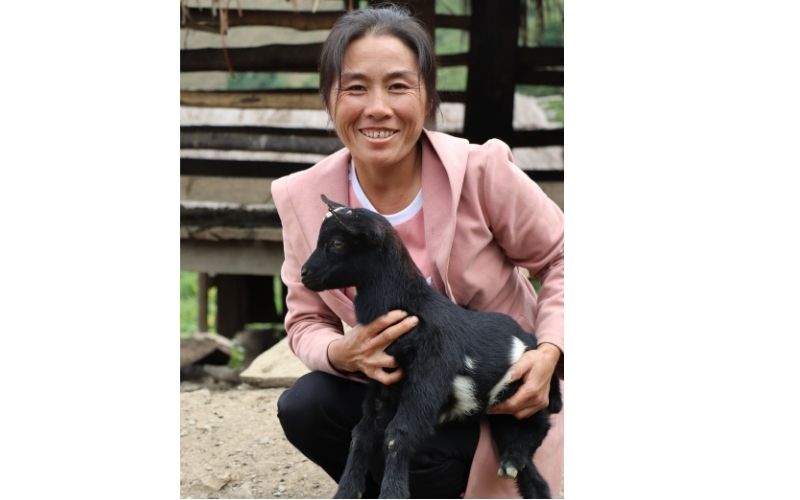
[(382, 322), (391, 333), (387, 378)]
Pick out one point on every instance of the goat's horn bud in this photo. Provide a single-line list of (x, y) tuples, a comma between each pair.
[(332, 205)]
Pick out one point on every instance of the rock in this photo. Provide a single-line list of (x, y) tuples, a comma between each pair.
[(200, 345), (277, 367), (215, 482), (223, 373)]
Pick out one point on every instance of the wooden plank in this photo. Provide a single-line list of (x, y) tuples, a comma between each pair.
[(490, 80), (452, 21), (301, 57), (260, 139), (540, 56), (198, 215), (303, 99), (203, 19), (202, 302), (239, 168), (277, 99), (459, 59), (537, 138), (232, 257), (532, 76), (267, 169), (545, 175)]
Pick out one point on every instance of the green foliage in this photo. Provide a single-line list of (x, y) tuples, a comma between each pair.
[(452, 78), (454, 7), (189, 305), (237, 356), (249, 80), (451, 41)]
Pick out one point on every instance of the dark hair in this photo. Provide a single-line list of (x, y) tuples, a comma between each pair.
[(390, 20)]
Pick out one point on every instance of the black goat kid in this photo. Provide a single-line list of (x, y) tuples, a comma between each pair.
[(455, 361)]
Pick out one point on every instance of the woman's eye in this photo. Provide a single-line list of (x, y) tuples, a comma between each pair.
[(398, 86), (355, 88)]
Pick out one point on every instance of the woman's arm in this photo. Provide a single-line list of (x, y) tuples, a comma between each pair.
[(529, 227)]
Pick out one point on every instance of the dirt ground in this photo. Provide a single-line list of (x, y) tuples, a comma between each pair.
[(232, 446)]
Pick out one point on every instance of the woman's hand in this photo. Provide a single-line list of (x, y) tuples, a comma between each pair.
[(361, 349), (535, 368)]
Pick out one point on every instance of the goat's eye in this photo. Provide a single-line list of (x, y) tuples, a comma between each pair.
[(337, 245)]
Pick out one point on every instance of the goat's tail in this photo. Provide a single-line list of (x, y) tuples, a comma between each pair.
[(556, 404)]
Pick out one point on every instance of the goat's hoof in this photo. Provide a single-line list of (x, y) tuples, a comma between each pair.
[(507, 470), (347, 493)]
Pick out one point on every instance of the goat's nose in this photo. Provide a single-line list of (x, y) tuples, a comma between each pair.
[(303, 272)]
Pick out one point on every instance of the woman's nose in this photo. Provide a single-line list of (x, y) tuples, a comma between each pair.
[(378, 106)]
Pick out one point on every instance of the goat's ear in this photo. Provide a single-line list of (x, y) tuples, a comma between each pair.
[(332, 205)]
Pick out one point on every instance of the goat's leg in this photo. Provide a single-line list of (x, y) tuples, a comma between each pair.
[(414, 421), (517, 440), (362, 445)]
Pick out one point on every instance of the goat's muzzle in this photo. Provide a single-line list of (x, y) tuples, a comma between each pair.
[(307, 277)]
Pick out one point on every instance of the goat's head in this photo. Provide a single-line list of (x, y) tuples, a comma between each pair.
[(351, 240)]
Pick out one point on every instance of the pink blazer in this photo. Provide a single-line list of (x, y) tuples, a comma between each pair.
[(484, 219)]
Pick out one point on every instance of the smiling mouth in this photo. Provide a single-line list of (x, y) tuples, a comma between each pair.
[(377, 133)]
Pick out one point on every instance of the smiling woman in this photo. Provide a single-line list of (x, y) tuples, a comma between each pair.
[(378, 110), (469, 217)]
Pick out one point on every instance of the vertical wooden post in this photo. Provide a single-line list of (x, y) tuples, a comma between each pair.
[(492, 60), (202, 302)]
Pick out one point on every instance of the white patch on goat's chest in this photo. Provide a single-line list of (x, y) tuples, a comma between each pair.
[(517, 350), (465, 401)]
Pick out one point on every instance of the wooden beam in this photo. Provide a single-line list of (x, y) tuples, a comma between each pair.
[(260, 139), (537, 138), (492, 61), (460, 59), (214, 214), (232, 257), (531, 76), (268, 169), (204, 19), (286, 99), (451, 21), (202, 302), (540, 56), (302, 57), (239, 168), (545, 175)]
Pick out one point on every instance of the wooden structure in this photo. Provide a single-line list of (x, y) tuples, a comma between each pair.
[(237, 240)]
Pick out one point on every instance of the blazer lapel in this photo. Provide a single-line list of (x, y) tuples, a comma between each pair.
[(332, 182), (444, 160)]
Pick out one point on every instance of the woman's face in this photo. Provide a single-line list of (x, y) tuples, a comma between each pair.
[(379, 110)]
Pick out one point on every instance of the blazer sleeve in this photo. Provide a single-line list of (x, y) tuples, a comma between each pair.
[(529, 227), (310, 324)]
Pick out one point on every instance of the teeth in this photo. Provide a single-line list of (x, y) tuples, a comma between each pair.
[(377, 134)]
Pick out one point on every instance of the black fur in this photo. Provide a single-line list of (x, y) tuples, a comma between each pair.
[(360, 248)]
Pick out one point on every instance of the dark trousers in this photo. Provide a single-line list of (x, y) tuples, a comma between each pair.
[(319, 412)]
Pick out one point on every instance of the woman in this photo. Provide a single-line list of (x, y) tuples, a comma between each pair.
[(470, 219)]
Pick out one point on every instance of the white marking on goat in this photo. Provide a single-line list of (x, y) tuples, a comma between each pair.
[(517, 350), (469, 363), (466, 402)]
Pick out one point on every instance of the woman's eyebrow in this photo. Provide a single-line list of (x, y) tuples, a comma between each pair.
[(355, 75)]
